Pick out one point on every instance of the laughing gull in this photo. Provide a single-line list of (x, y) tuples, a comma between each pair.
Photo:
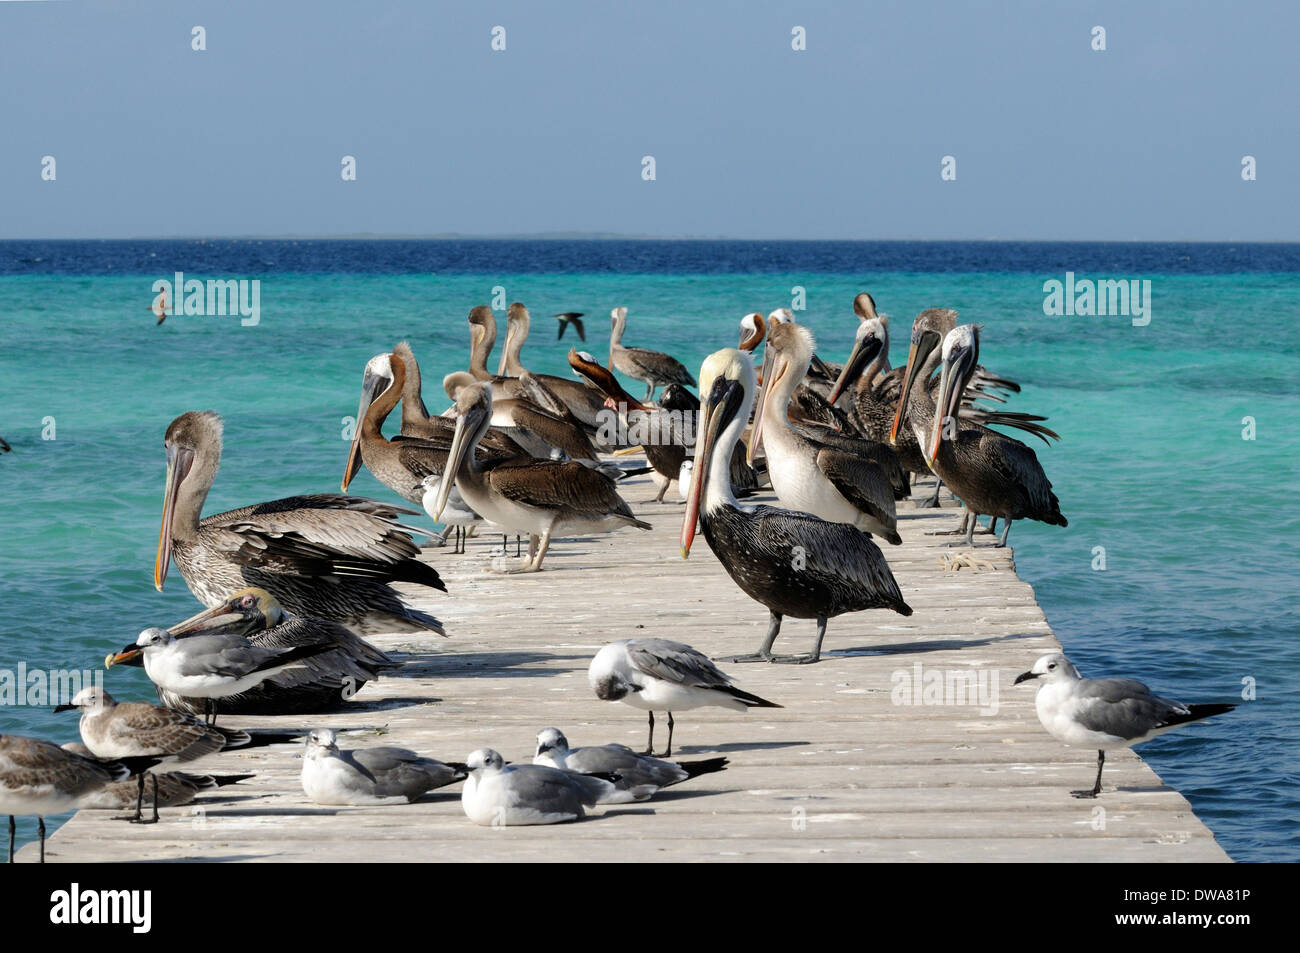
[(500, 795), (661, 675), (619, 761), (38, 777), (209, 666), (1104, 713), (113, 730), (175, 788), (369, 775)]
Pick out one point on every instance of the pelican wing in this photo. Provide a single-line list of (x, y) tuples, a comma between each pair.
[(860, 482), (551, 484), (658, 364)]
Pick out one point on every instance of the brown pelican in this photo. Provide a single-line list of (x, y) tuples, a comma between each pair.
[(814, 470), (537, 430), (571, 317), (543, 498), (665, 433), (324, 556), (795, 564), (482, 337), (1104, 713), (991, 473), (40, 778), (316, 684), (662, 675), (808, 403), (584, 403), (651, 367)]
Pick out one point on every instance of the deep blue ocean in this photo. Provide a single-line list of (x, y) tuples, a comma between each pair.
[(1199, 526)]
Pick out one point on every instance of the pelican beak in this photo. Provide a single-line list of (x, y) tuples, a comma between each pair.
[(716, 413), (756, 438), (864, 352), (179, 462), (1026, 676), (222, 618), (952, 381), (372, 385), (468, 426), (131, 654)]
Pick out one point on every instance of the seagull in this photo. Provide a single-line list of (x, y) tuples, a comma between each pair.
[(571, 317), (500, 795), (38, 777), (113, 730), (1104, 713), (369, 775), (175, 788), (662, 675), (160, 307), (208, 665), (617, 760)]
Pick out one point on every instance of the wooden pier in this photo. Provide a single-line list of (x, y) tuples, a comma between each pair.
[(844, 771)]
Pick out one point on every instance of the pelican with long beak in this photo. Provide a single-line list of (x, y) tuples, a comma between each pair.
[(813, 469), (653, 368), (795, 564), (543, 498), (993, 474), (324, 556)]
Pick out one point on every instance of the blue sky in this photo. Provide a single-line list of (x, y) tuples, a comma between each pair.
[(751, 138)]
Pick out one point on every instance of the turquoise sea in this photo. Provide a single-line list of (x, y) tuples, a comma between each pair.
[(1199, 525)]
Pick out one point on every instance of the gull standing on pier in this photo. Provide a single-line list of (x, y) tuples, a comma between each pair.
[(662, 675), (38, 777), (1104, 713), (793, 563)]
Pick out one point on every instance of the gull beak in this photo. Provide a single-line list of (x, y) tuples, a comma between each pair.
[(179, 462), (1026, 676), (131, 654)]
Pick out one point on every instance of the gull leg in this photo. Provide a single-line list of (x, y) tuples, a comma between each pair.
[(11, 838), (139, 799), (155, 799), (811, 657), (650, 742), (1096, 788), (40, 826), (764, 653), (669, 752), (1006, 528)]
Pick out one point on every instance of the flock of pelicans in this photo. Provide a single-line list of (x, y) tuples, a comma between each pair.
[(292, 587)]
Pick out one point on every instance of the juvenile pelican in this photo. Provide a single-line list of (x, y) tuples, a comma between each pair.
[(793, 563), (542, 498), (654, 368), (583, 402), (815, 470), (325, 556), (993, 474)]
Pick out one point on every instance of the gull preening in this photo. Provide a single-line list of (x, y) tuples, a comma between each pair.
[(382, 775), (619, 761), (1104, 713), (662, 675)]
